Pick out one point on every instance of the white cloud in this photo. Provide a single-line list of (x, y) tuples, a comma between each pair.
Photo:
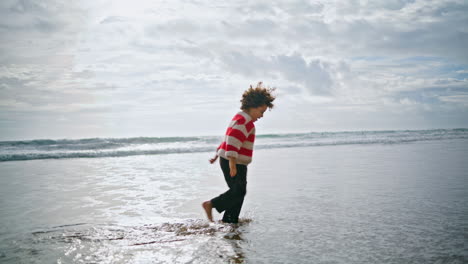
[(117, 62)]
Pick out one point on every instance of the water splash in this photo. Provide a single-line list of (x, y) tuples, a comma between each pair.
[(191, 240)]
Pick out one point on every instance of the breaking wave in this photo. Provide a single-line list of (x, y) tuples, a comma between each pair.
[(119, 147)]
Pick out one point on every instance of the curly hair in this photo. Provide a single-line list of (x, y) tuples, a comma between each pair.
[(258, 96)]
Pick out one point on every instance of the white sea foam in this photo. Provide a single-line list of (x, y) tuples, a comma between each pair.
[(120, 147)]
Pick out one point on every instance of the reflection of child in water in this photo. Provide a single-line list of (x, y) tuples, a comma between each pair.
[(236, 151)]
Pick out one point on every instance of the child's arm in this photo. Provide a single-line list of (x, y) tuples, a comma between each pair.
[(216, 156), (232, 166), (214, 159)]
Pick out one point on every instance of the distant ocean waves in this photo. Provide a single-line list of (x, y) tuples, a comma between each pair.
[(118, 147)]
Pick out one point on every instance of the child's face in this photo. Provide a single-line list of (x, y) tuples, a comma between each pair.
[(257, 112)]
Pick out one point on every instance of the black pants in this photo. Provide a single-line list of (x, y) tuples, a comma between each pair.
[(231, 201)]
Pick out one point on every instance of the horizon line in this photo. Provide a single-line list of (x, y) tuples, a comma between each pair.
[(263, 134)]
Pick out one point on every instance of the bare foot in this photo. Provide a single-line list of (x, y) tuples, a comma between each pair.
[(208, 207)]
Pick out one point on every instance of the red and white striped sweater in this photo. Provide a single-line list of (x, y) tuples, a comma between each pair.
[(239, 139)]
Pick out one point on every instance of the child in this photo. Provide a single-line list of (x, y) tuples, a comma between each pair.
[(236, 151)]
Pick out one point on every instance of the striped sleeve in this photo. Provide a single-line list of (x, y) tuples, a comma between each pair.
[(235, 137)]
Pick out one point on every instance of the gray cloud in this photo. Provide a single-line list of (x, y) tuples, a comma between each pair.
[(311, 75), (112, 59)]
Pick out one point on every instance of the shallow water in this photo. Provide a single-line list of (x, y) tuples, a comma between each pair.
[(378, 203), (404, 203), (194, 241)]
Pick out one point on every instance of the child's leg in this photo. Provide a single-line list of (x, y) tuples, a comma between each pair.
[(230, 198), (237, 188), (231, 215)]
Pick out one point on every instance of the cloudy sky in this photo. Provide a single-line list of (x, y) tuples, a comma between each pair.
[(178, 68)]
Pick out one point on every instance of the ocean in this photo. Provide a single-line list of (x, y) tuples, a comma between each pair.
[(122, 147), (331, 197)]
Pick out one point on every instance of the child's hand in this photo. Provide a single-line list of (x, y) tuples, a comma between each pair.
[(232, 166), (233, 171), (213, 159)]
